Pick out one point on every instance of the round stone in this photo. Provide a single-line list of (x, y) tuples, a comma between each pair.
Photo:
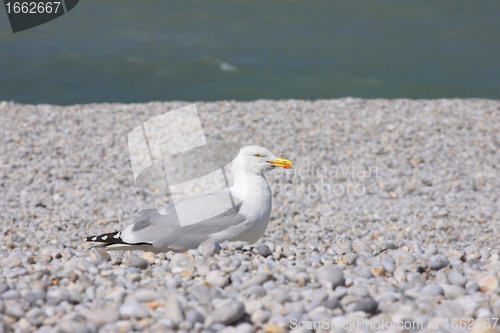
[(432, 290), (457, 278), (137, 262), (133, 309), (229, 313), (332, 274), (367, 304)]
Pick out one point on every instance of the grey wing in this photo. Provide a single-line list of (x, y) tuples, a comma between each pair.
[(163, 230)]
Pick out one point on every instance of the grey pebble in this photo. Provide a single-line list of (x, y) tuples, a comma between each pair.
[(485, 254), (350, 258), (270, 285), (296, 307), (216, 279), (350, 299), (471, 287), (436, 264), (362, 247), (67, 326), (209, 248), (402, 257), (243, 328), (194, 316), (3, 287), (137, 262), (57, 295), (333, 303), (35, 316), (11, 294), (35, 294), (256, 290), (229, 313), (339, 292), (332, 274), (263, 250), (431, 250), (432, 290), (260, 317), (342, 248), (282, 296), (252, 306), (366, 304), (389, 264), (319, 298), (146, 295), (364, 272), (102, 317), (292, 271), (172, 283), (457, 278), (14, 310), (256, 279), (133, 309), (453, 291), (174, 310), (357, 291)]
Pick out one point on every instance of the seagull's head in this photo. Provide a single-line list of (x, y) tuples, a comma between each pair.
[(257, 160)]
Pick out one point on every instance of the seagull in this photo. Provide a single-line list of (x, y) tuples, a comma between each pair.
[(160, 230)]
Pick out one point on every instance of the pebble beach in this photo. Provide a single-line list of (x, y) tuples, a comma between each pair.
[(388, 223)]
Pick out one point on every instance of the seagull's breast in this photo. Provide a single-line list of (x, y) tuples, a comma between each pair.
[(256, 208)]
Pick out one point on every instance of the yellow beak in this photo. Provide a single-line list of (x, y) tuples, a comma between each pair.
[(281, 162)]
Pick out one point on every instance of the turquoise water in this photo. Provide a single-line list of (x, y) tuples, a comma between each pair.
[(149, 50)]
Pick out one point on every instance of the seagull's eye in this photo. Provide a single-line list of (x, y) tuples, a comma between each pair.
[(258, 156)]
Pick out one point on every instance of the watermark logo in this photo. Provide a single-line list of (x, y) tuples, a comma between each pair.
[(312, 180), (25, 15), (170, 152)]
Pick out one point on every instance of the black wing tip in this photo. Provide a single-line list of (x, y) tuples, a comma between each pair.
[(109, 238)]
